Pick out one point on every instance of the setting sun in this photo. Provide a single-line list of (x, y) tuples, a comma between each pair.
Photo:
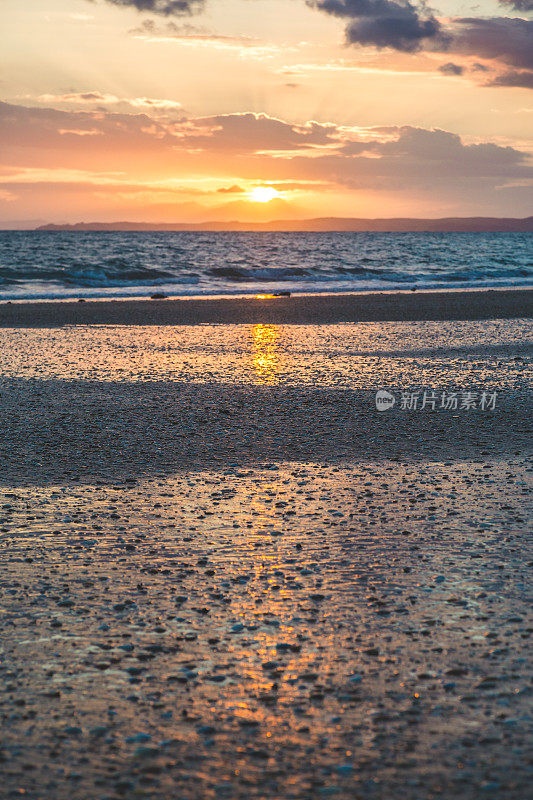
[(263, 194)]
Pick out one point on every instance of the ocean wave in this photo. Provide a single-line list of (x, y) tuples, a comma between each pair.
[(264, 274), (34, 264)]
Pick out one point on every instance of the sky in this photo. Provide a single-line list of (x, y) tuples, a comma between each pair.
[(195, 110)]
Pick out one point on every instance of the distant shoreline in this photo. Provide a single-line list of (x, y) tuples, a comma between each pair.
[(315, 225), (298, 309)]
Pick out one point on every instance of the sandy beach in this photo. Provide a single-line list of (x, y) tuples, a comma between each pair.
[(225, 574), (301, 309)]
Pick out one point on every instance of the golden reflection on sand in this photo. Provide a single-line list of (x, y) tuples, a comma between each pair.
[(266, 359)]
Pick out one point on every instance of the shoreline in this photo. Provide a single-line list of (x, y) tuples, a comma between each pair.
[(297, 309)]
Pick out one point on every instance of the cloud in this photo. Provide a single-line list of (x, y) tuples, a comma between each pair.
[(77, 138), (407, 26), (149, 29), (517, 78), (447, 151), (243, 133), (143, 142), (403, 25), (519, 5), (79, 98), (92, 98), (451, 69), (152, 103), (178, 8), (134, 154), (419, 162), (397, 24), (508, 42), (503, 39), (187, 34), (194, 36), (231, 189), (74, 132)]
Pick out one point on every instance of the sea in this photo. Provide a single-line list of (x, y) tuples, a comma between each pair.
[(60, 265)]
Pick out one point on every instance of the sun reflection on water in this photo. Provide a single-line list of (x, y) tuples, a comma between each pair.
[(267, 362)]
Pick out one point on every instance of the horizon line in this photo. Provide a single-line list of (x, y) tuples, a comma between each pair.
[(310, 225)]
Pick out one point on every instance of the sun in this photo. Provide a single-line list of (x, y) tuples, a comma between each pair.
[(263, 194)]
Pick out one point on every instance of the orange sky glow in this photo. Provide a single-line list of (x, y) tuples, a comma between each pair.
[(254, 110)]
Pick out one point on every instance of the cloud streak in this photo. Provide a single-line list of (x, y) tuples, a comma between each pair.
[(194, 36), (152, 104), (178, 8)]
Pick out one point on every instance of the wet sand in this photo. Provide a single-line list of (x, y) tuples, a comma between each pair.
[(302, 309), (225, 574)]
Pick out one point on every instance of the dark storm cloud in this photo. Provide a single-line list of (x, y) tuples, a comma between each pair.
[(179, 8), (397, 24), (451, 69)]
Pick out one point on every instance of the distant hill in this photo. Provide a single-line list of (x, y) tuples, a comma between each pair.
[(446, 225)]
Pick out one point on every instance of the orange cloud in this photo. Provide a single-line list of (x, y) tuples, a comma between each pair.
[(138, 159)]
